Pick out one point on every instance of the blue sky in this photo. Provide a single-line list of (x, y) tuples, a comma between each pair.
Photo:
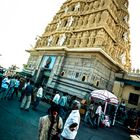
[(23, 20)]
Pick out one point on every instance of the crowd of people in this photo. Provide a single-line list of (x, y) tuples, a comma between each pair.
[(63, 116), (129, 117), (95, 116)]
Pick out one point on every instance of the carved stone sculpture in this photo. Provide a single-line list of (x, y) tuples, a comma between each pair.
[(99, 39), (61, 40)]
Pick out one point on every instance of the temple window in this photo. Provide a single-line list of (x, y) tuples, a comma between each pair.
[(97, 83), (62, 73), (83, 78)]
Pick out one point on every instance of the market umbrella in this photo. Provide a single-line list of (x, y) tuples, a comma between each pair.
[(105, 95)]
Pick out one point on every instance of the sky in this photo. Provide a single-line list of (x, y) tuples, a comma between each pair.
[(21, 21)]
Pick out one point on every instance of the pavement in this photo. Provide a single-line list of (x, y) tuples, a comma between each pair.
[(16, 124)]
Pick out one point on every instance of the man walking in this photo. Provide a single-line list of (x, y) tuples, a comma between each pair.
[(27, 98), (39, 96), (72, 123)]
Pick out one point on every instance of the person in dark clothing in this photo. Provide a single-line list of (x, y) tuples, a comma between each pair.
[(27, 98)]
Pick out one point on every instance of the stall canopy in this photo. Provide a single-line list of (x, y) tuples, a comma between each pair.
[(108, 97), (105, 96)]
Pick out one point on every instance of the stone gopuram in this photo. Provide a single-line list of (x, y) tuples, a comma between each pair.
[(83, 47)]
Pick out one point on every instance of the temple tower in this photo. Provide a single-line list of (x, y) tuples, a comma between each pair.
[(88, 42)]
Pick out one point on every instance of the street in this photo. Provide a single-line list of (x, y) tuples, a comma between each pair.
[(16, 124)]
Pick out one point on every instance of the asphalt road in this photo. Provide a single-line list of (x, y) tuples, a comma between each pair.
[(16, 124)]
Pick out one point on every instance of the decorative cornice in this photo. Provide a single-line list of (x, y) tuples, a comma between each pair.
[(81, 50)]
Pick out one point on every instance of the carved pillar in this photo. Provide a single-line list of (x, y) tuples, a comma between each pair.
[(72, 41), (92, 39), (85, 39), (91, 20), (99, 39), (78, 40)]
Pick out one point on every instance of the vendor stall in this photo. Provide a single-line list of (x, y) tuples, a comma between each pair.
[(110, 102)]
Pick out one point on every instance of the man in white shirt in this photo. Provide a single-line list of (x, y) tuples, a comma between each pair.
[(72, 123), (98, 114), (39, 96)]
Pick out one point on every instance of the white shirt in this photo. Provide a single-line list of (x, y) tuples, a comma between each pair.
[(5, 83), (74, 117), (56, 98), (99, 110), (40, 92)]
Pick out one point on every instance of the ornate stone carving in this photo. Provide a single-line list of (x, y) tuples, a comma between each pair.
[(66, 9), (59, 24), (99, 39), (123, 58), (92, 39), (86, 8), (50, 38), (61, 40), (77, 7), (126, 18), (91, 6), (96, 5), (85, 20), (84, 39), (126, 5), (70, 21), (97, 17), (78, 40), (125, 36), (91, 20), (102, 3), (104, 16), (72, 41), (80, 22)]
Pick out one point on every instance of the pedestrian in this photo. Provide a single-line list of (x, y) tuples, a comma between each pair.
[(11, 88), (54, 102), (4, 87), (56, 98), (24, 84), (39, 96), (27, 98), (50, 126), (63, 104), (72, 123), (98, 113), (90, 114), (16, 87)]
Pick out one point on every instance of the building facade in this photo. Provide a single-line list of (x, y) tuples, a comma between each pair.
[(83, 47), (127, 88)]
